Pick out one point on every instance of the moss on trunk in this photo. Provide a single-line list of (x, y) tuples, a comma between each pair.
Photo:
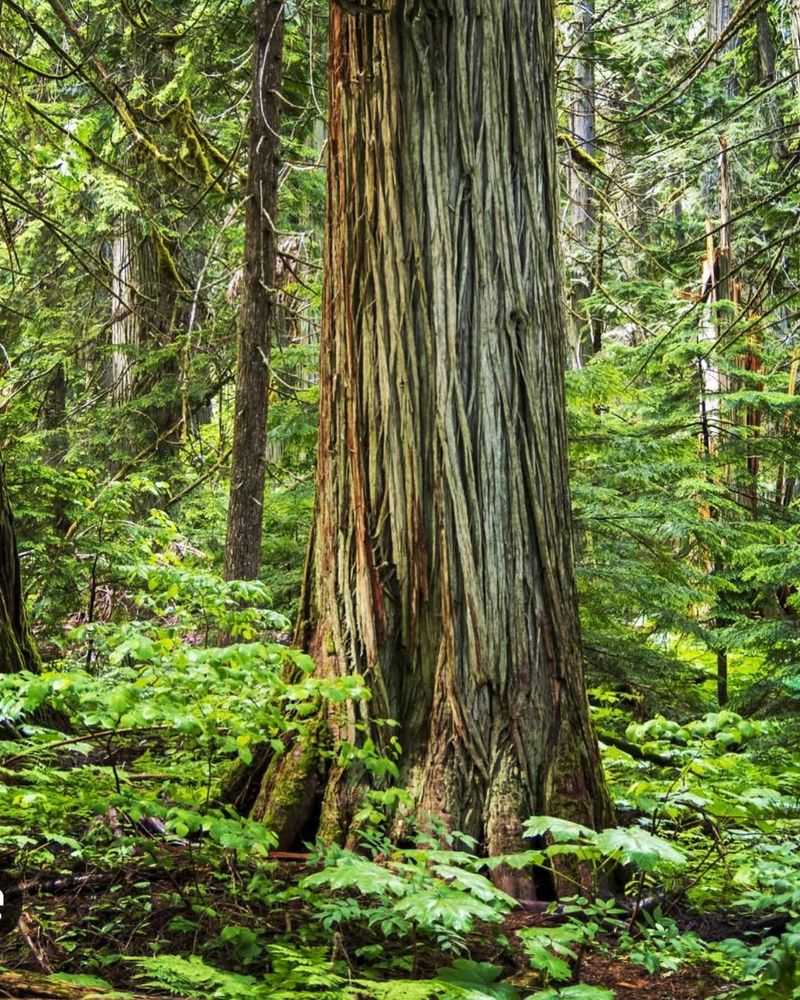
[(289, 792)]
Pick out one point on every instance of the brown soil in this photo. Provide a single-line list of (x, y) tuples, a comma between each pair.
[(631, 982), (627, 980)]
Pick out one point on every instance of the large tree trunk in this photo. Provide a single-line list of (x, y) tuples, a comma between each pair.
[(442, 567), (248, 463), (17, 650)]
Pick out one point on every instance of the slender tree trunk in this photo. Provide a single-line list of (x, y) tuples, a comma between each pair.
[(722, 678), (146, 305), (248, 463), (583, 332), (719, 15), (784, 486), (17, 650), (124, 325), (53, 422), (773, 116), (794, 13), (163, 301), (442, 565), (720, 287)]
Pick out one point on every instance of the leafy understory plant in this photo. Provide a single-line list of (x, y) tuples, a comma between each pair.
[(579, 992), (310, 975), (555, 952), (438, 893), (630, 845), (550, 949)]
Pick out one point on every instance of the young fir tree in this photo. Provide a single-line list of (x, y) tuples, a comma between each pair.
[(441, 565)]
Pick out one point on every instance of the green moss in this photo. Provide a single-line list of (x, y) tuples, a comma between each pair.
[(289, 790), (17, 652), (166, 260)]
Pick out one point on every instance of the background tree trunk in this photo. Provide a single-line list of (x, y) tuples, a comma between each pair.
[(248, 464), (718, 16), (148, 298), (582, 208), (17, 650), (124, 325), (442, 561), (773, 116), (794, 14)]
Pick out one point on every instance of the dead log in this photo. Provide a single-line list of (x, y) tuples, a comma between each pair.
[(22, 985)]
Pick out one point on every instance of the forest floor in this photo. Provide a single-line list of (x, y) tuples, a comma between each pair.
[(627, 980), (630, 982), (84, 912)]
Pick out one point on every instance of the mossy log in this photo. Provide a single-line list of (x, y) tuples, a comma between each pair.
[(32, 986)]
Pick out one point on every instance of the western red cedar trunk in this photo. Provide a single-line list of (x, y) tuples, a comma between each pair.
[(248, 462), (17, 650), (441, 566)]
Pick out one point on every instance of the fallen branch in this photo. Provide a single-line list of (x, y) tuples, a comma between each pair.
[(85, 738), (635, 751)]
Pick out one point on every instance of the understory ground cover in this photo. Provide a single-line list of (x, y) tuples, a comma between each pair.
[(137, 874)]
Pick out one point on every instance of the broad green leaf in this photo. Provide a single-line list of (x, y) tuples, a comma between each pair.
[(639, 847), (558, 829)]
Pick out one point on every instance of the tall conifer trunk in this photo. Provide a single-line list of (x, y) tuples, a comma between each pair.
[(719, 14), (441, 567), (584, 333), (249, 458), (148, 297), (124, 319)]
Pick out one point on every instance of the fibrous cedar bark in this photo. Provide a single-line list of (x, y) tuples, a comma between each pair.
[(441, 567), (17, 650), (248, 464)]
